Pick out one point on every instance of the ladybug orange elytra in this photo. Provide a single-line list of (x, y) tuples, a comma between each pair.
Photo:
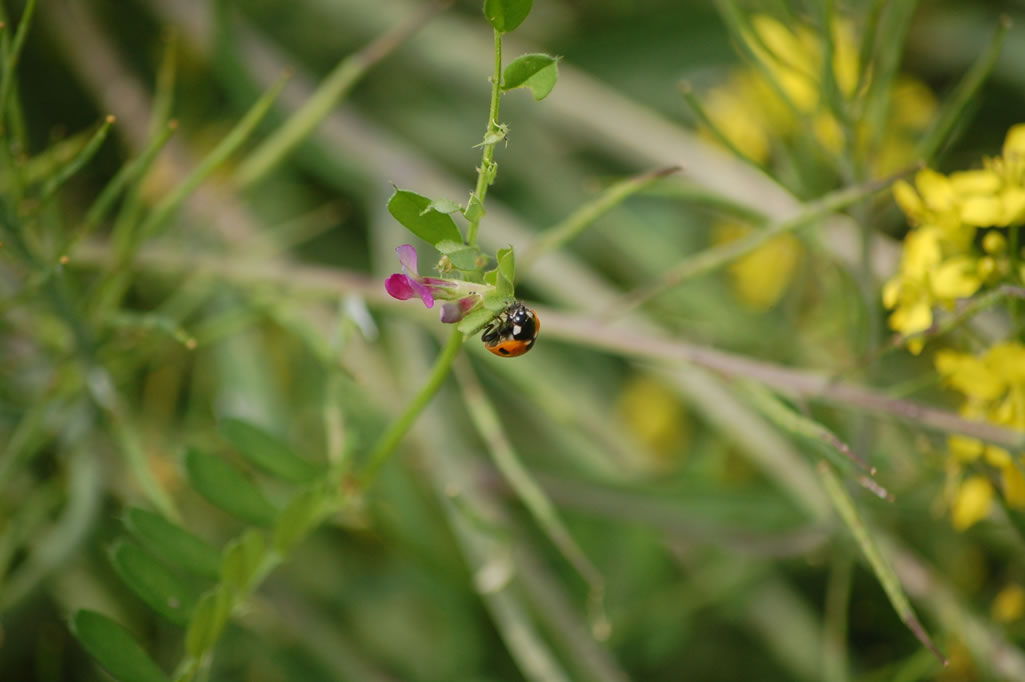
[(512, 332)]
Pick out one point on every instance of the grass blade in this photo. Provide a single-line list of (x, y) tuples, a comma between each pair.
[(954, 106), (231, 142), (13, 56), (332, 90), (83, 157), (584, 217), (884, 572)]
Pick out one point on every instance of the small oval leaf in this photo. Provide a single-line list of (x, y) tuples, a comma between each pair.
[(267, 452), (151, 582), (226, 487), (416, 214), (242, 558), (114, 648), (505, 15), (207, 622), (539, 72), (172, 543)]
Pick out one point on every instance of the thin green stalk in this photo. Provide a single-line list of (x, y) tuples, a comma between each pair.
[(694, 102), (883, 570), (331, 91), (953, 110), (83, 157), (239, 134), (494, 135), (488, 424), (835, 662), (390, 439), (719, 256), (583, 217), (12, 57)]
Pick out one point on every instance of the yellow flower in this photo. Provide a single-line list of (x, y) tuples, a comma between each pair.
[(760, 278), (654, 416), (1009, 604), (754, 109), (994, 388), (973, 502)]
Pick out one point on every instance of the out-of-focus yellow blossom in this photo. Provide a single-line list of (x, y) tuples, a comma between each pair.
[(784, 98), (994, 389), (973, 502), (941, 262), (654, 415), (760, 277), (1009, 604)]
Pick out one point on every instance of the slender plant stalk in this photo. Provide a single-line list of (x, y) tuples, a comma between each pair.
[(390, 439), (494, 134)]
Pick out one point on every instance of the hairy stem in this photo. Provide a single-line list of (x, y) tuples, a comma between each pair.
[(485, 173)]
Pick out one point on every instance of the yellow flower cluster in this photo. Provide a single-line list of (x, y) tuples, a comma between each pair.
[(783, 99), (940, 262), (759, 108), (994, 390)]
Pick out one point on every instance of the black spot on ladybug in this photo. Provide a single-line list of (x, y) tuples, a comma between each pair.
[(503, 351)]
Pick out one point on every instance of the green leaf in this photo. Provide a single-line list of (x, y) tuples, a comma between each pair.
[(463, 257), (539, 72), (151, 582), (207, 621), (414, 212), (496, 302), (444, 206), (505, 15), (506, 272), (173, 543), (242, 559), (267, 452), (299, 517), (475, 320), (114, 648), (227, 488)]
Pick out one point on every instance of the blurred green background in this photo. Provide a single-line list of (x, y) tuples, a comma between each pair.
[(718, 556)]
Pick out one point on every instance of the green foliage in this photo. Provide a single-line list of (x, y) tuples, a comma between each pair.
[(711, 460), (114, 648), (226, 487), (173, 543), (417, 214), (160, 589), (538, 72), (267, 452), (506, 15)]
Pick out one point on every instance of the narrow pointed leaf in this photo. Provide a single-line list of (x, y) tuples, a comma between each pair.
[(267, 452), (153, 583), (414, 212), (227, 488), (114, 648), (506, 272), (538, 72), (173, 543), (884, 572)]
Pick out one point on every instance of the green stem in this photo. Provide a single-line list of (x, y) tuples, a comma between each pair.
[(391, 438), (485, 173)]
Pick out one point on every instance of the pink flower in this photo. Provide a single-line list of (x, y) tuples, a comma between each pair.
[(462, 297), (409, 284)]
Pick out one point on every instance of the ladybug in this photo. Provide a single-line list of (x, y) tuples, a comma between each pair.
[(512, 332)]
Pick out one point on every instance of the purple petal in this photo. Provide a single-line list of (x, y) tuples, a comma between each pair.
[(454, 311), (407, 257), (400, 287), (422, 291)]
